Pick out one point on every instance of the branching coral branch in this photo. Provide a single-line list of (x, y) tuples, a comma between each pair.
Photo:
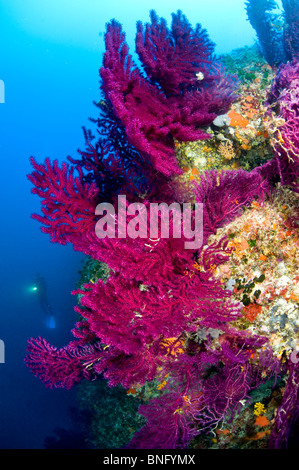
[(291, 30), (283, 101), (68, 202), (224, 194), (170, 103), (263, 18)]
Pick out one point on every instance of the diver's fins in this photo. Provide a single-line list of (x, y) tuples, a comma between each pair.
[(50, 322)]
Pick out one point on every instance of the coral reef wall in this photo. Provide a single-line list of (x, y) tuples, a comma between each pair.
[(157, 318)]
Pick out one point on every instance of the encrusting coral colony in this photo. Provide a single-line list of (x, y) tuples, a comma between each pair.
[(207, 338)]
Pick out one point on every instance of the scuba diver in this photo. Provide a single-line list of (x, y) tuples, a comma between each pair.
[(40, 288)]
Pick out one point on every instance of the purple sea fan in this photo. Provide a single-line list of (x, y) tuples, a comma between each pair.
[(170, 417), (140, 106), (173, 58), (288, 411), (169, 425), (264, 19), (177, 298), (284, 99), (283, 81), (68, 203), (291, 30), (151, 115), (223, 196), (60, 368)]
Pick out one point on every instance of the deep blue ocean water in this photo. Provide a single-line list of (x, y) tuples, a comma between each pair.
[(50, 53)]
